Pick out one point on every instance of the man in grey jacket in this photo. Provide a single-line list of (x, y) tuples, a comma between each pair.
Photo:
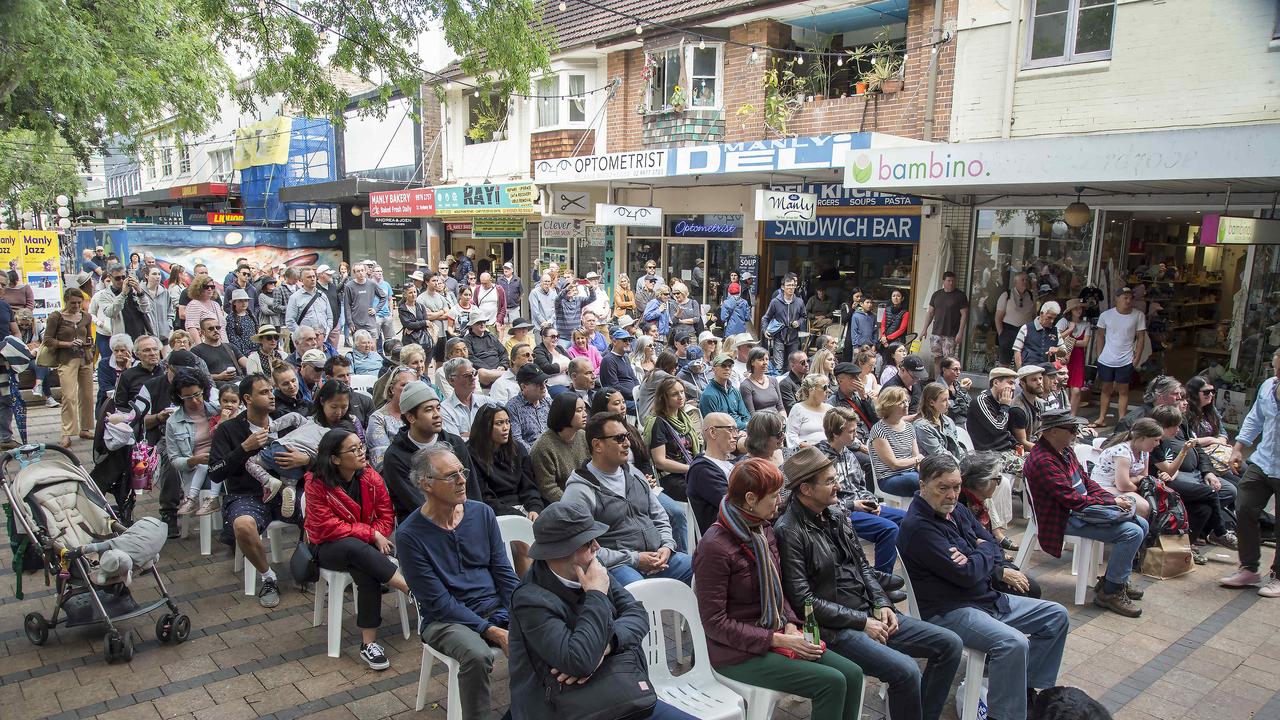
[(639, 542), (542, 303), (360, 299)]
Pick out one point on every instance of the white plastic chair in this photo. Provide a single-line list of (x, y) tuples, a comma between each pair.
[(275, 541), (206, 524), (1085, 555), (453, 702), (363, 383), (335, 585), (965, 440), (975, 660), (898, 501), (697, 691), (693, 534), (514, 528)]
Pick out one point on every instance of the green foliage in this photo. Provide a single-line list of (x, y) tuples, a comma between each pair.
[(33, 173), (783, 96)]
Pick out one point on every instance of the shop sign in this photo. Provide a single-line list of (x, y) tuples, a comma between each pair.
[(112, 203), (561, 227), (164, 219), (225, 218), (837, 195), (1222, 230), (390, 223), (857, 228), (199, 190), (728, 225), (487, 198), (748, 264), (458, 227), (418, 202), (628, 215), (497, 227), (785, 205), (571, 202), (597, 235), (780, 155)]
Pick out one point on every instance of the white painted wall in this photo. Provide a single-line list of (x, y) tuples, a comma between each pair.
[(371, 142), (1174, 64)]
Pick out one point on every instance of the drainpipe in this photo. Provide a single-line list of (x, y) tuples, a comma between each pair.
[(936, 38), (1010, 70)]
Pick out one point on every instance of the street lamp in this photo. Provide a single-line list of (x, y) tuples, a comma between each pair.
[(64, 221)]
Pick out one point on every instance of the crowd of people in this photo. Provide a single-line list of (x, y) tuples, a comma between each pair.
[(644, 439)]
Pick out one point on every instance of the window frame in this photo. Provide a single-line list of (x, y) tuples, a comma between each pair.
[(564, 104), (718, 77), (166, 162), (551, 105), (1071, 37), (661, 57), (184, 160)]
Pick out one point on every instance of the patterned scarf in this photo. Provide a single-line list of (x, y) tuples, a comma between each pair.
[(749, 530)]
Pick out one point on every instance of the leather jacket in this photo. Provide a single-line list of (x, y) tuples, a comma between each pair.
[(808, 558)]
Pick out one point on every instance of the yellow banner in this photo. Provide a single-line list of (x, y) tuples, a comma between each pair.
[(34, 254), (263, 143)]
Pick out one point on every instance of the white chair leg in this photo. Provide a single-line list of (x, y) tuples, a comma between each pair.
[(454, 711), (337, 587), (317, 604), (404, 614), (250, 580), (1029, 539), (424, 678), (275, 538), (238, 563), (1083, 560), (973, 683), (206, 534)]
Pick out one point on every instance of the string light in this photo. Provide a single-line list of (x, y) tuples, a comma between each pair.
[(702, 43), (839, 62), (639, 29), (799, 59), (755, 56), (563, 6)]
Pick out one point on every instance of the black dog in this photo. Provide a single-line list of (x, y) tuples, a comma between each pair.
[(1067, 703)]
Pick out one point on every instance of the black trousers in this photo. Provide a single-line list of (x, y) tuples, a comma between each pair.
[(1204, 504), (369, 569)]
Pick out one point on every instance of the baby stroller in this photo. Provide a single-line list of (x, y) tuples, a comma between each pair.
[(59, 511)]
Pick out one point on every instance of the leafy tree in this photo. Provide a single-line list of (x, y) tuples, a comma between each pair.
[(89, 70), (34, 173)]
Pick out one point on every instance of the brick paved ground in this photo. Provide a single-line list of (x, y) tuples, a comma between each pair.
[(1199, 651)]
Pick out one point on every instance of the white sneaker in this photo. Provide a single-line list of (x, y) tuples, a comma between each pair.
[(50, 402), (36, 393), (270, 489)]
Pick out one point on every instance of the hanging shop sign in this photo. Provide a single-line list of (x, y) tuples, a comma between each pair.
[(458, 227), (418, 202), (562, 227), (571, 202), (1219, 229), (857, 228), (628, 215), (785, 205), (837, 195), (748, 264), (487, 198), (726, 225), (497, 227)]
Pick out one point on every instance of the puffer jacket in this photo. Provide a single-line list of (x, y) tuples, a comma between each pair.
[(333, 515), (637, 523)]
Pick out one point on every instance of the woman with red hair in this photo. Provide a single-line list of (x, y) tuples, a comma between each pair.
[(753, 635)]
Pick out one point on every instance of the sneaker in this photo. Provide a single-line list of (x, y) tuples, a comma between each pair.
[(187, 506), (1198, 556), (269, 594), (1227, 540), (288, 502), (1272, 588), (1118, 603), (36, 393), (50, 402), (270, 488), (373, 656), (208, 504), (1242, 578)]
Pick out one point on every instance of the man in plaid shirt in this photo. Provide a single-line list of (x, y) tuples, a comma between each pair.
[(1062, 493)]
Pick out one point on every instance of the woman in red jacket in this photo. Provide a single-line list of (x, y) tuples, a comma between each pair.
[(349, 519)]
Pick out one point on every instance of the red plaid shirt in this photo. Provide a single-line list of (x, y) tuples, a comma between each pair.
[(1051, 478)]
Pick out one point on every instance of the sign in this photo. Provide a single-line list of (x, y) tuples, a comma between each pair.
[(561, 227), (856, 228), (785, 205), (164, 219), (628, 215), (1219, 153), (113, 203), (418, 202), (225, 218), (497, 227), (390, 223), (571, 202), (34, 254), (727, 225), (486, 199), (837, 195), (787, 154), (262, 143), (748, 264), (1219, 229)]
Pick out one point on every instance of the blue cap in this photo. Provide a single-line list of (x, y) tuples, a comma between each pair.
[(693, 353), (620, 334)]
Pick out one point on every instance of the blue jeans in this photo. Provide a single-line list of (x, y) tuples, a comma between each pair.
[(679, 567), (903, 484), (911, 694), (679, 523), (882, 530), (663, 711), (42, 379), (1016, 661), (1126, 537), (267, 456)]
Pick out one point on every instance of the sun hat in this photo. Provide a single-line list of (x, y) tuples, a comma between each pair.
[(804, 464)]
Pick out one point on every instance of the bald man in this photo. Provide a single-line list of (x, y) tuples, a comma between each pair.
[(708, 476)]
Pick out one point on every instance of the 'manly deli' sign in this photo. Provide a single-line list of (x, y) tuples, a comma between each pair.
[(781, 205)]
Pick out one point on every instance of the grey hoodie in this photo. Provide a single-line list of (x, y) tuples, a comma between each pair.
[(637, 523)]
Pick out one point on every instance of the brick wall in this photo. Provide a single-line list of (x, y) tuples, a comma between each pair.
[(560, 143)]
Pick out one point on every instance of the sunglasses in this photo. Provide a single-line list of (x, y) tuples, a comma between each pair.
[(1208, 391), (214, 327), (620, 438)]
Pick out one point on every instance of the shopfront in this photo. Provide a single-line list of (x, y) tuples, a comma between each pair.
[(699, 250)]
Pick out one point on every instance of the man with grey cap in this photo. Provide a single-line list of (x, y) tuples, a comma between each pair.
[(569, 618), (455, 561), (1027, 406), (423, 425), (821, 561)]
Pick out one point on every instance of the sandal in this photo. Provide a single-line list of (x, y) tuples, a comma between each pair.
[(65, 441), (1008, 544), (86, 435)]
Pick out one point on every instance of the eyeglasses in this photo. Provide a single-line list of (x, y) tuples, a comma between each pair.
[(1208, 391), (620, 438), (192, 396), (722, 427), (553, 336), (459, 475), (356, 449), (465, 376), (804, 361)]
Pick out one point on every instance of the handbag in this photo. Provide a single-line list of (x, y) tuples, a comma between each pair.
[(618, 690), (1168, 557), (45, 358), (303, 565)]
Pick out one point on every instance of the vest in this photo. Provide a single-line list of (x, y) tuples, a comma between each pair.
[(1037, 344)]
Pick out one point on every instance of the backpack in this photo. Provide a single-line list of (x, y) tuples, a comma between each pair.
[(1168, 514)]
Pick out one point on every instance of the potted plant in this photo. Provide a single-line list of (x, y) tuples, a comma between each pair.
[(884, 75), (677, 99)]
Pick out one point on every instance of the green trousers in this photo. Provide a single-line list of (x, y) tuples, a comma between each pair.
[(833, 683)]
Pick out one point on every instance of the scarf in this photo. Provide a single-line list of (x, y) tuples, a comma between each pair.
[(681, 423), (749, 531)]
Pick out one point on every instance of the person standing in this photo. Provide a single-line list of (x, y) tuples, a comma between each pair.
[(69, 333), (1014, 308), (949, 309), (332, 292), (1259, 482), (360, 300), (512, 289), (1037, 341), (308, 306), (782, 322), (1122, 334)]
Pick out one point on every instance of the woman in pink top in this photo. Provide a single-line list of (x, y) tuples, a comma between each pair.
[(582, 348), (202, 306)]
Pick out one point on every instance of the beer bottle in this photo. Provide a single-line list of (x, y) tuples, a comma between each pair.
[(811, 624)]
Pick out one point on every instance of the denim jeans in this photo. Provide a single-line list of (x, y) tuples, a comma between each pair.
[(1016, 661), (1127, 537), (42, 380), (911, 694), (267, 457), (903, 484), (679, 567), (882, 530), (679, 523)]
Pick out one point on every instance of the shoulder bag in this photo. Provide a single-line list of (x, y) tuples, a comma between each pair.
[(46, 357), (618, 690)]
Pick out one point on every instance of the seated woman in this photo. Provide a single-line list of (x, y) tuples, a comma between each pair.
[(753, 635), (1126, 460), (562, 448), (759, 390), (980, 474), (365, 359), (385, 422), (188, 436), (504, 472), (804, 422), (549, 356), (111, 368), (935, 431), (672, 437), (349, 519), (824, 363), (766, 433), (583, 348), (894, 355), (261, 359), (894, 452)]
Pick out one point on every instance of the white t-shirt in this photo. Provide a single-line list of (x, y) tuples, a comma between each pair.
[(1121, 333), (1104, 472)]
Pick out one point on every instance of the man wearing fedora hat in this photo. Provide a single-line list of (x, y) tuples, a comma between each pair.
[(822, 562), (569, 616), (1027, 406)]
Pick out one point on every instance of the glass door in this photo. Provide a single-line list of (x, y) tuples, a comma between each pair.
[(681, 264)]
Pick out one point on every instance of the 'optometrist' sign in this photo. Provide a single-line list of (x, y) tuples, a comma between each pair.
[(633, 215)]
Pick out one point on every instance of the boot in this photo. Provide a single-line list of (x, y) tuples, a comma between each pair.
[(170, 519)]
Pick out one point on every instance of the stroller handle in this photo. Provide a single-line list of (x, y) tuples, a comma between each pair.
[(26, 453)]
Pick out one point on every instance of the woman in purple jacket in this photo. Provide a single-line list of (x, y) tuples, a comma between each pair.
[(753, 635)]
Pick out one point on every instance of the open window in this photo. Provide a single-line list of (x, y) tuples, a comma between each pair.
[(486, 118), (847, 53), (561, 101)]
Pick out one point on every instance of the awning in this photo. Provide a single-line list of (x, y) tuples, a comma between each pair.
[(347, 190)]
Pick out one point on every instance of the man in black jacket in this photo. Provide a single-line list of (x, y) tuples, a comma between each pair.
[(822, 562), (790, 382), (423, 425), (147, 350)]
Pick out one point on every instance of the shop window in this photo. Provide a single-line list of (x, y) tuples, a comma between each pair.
[(665, 68), (166, 161), (1070, 31), (184, 159), (486, 118)]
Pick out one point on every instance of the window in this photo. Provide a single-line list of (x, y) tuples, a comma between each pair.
[(548, 104), (221, 162), (1070, 31), (665, 66), (166, 161), (151, 167), (703, 74), (486, 118), (184, 159), (578, 99), (561, 103)]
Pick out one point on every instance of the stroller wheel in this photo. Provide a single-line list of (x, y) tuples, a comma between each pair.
[(127, 651), (113, 646), (164, 628), (37, 628), (181, 628)]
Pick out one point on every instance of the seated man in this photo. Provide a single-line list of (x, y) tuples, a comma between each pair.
[(722, 396), (822, 563), (420, 411), (455, 562), (615, 367), (953, 563), (311, 373), (912, 379), (506, 387), (708, 478), (582, 378), (989, 423), (1027, 406), (304, 338), (528, 410), (225, 363), (338, 369), (1063, 492), (568, 615), (485, 350), (459, 410), (639, 542), (798, 367)]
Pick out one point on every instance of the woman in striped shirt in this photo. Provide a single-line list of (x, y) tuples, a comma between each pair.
[(894, 452)]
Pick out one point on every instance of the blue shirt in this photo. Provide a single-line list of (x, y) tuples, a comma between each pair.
[(383, 305), (1260, 427), (460, 576)]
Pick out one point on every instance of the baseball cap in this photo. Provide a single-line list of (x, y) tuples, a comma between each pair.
[(621, 334), (314, 357), (530, 373), (914, 365), (1126, 290), (722, 358), (323, 269), (414, 394), (183, 359), (508, 266)]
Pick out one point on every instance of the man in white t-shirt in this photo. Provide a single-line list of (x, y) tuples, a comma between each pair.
[(1122, 332)]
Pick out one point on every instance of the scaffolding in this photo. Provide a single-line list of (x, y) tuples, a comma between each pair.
[(311, 159)]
